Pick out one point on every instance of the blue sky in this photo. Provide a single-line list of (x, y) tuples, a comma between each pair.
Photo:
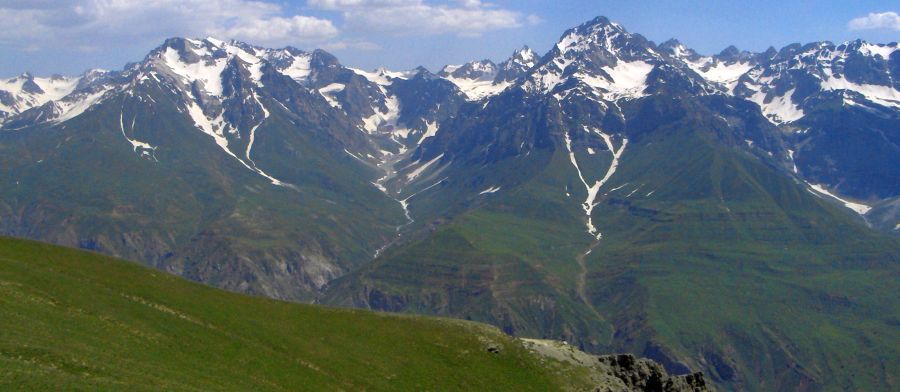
[(69, 36)]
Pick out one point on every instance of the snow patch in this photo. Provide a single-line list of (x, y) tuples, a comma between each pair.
[(430, 130), (208, 75), (489, 190), (386, 118), (793, 163), (476, 89), (881, 50), (415, 173), (328, 93), (299, 69), (626, 79), (779, 110), (382, 76), (882, 95), (720, 72), (859, 208), (71, 107)]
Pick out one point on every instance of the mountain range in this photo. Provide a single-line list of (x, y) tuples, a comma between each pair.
[(736, 213)]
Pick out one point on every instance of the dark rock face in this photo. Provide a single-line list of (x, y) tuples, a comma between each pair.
[(647, 376)]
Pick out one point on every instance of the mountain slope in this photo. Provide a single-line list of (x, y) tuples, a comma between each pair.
[(77, 320), (661, 224), (220, 184), (677, 235)]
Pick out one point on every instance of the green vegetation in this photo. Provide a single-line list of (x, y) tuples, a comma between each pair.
[(75, 320), (197, 211), (711, 259)]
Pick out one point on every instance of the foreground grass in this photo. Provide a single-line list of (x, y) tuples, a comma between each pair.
[(79, 321)]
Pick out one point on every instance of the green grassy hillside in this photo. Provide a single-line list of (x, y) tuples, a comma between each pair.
[(75, 320)]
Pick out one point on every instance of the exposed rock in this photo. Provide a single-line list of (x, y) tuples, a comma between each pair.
[(620, 372), (641, 374)]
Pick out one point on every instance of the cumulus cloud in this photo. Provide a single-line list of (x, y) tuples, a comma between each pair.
[(876, 21), (351, 44), (99, 24), (466, 18), (278, 29)]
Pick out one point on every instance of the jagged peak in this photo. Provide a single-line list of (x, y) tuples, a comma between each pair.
[(870, 49), (523, 57), (600, 27), (524, 53), (606, 41), (671, 42), (419, 72), (602, 21), (677, 49), (471, 70), (731, 50), (732, 54)]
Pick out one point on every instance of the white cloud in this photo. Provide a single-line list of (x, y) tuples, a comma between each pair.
[(278, 29), (100, 24), (350, 44), (876, 21), (468, 18)]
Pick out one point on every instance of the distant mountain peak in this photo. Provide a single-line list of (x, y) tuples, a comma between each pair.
[(524, 53), (675, 48)]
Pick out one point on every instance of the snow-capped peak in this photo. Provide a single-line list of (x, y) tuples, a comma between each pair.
[(25, 91), (476, 79), (517, 65), (723, 70), (603, 36), (383, 76), (821, 67), (202, 61), (603, 59), (484, 69), (678, 50), (524, 56), (883, 50)]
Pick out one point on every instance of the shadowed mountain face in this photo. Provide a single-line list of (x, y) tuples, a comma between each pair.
[(734, 213)]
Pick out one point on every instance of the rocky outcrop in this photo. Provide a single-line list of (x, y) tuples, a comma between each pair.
[(620, 372), (629, 373)]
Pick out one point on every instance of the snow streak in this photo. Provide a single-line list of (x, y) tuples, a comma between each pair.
[(146, 150), (594, 189)]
